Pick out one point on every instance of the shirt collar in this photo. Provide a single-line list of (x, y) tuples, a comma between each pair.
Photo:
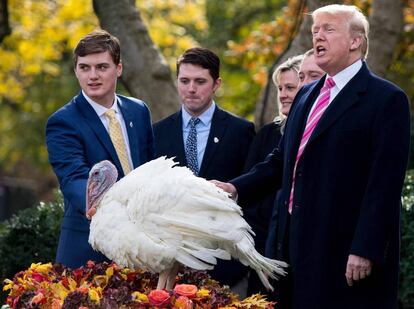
[(344, 76), (99, 109), (205, 118)]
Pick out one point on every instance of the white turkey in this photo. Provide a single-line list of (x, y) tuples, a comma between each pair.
[(160, 215)]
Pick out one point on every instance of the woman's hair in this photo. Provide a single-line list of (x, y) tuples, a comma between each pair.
[(291, 64)]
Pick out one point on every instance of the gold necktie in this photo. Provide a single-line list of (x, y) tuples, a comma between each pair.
[(118, 141)]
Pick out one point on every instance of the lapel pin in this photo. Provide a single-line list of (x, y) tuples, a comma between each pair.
[(216, 140), (131, 124)]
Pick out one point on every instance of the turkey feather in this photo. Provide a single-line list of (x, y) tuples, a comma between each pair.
[(160, 214)]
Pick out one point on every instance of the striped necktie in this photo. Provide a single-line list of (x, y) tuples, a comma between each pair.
[(115, 132), (191, 146), (311, 123)]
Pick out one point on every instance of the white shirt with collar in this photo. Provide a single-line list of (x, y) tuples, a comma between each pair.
[(203, 129), (101, 110), (341, 79)]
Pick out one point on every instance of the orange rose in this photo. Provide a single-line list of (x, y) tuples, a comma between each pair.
[(57, 304), (158, 298), (188, 290), (38, 299), (183, 302)]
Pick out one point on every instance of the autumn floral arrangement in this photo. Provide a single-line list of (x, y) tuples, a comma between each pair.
[(109, 286)]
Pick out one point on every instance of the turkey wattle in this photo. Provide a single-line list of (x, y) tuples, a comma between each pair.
[(160, 215)]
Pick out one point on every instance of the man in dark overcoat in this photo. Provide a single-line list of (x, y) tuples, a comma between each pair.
[(341, 167)]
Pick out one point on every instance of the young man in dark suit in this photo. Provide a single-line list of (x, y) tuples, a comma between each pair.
[(341, 165), (95, 125), (210, 141)]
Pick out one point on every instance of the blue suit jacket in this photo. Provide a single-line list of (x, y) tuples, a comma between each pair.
[(76, 140), (347, 193)]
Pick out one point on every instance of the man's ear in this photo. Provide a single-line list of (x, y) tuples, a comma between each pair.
[(217, 84), (356, 43), (119, 69)]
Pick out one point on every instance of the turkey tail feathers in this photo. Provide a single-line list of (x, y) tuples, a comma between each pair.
[(264, 267), (200, 258)]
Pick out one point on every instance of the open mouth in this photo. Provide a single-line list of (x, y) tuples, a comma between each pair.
[(320, 50)]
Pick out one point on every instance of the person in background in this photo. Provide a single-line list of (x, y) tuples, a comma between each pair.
[(341, 165), (309, 70), (258, 213), (207, 139), (95, 125)]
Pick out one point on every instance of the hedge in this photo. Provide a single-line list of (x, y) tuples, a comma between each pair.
[(30, 236)]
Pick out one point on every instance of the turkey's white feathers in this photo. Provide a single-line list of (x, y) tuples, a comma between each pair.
[(161, 213)]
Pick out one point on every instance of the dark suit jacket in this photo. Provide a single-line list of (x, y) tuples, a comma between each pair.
[(223, 160), (347, 192), (259, 212), (76, 140)]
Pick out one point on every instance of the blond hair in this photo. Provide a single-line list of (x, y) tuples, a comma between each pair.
[(291, 64)]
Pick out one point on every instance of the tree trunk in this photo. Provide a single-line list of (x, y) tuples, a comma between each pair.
[(386, 23), (146, 74), (4, 20), (386, 26)]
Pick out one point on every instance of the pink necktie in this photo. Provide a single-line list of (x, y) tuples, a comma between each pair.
[(311, 123)]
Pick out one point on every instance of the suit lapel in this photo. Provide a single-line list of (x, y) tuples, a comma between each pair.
[(92, 119), (345, 99), (293, 134), (297, 120), (131, 131), (176, 141), (217, 130)]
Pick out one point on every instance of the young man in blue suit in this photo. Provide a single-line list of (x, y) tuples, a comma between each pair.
[(220, 140), (81, 134), (341, 166)]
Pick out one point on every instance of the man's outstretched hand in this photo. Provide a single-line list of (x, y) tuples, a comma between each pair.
[(227, 187)]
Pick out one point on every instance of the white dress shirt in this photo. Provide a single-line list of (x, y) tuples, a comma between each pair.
[(341, 79), (101, 110)]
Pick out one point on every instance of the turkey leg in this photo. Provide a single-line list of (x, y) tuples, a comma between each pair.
[(172, 274)]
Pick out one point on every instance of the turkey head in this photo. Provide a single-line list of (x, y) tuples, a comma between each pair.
[(101, 177)]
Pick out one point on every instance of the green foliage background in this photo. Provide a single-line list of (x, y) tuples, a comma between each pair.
[(29, 237), (406, 288)]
